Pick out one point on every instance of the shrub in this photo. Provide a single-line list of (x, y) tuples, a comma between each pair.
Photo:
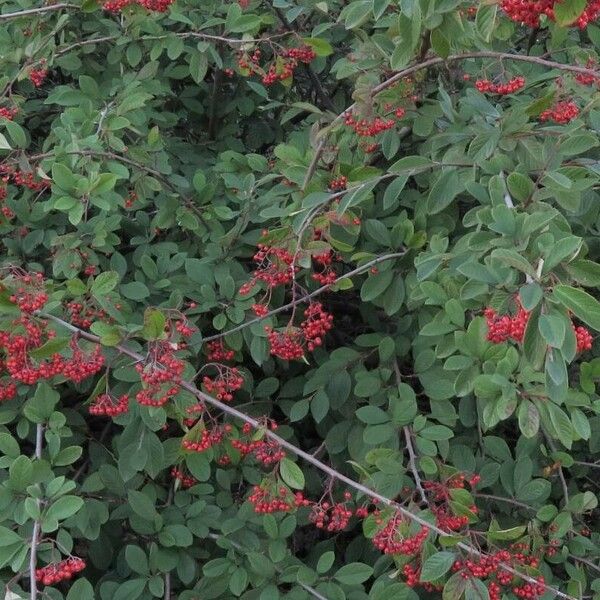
[(299, 300)]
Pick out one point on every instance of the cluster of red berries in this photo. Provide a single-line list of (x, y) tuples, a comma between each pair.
[(510, 87), (331, 517), (266, 499), (275, 267), (161, 374), (393, 537), (56, 572), (130, 200), (588, 78), (449, 522), (106, 404), (29, 296), (82, 364), (115, 6), (372, 127), (584, 338), (225, 383), (281, 68), (83, 315), (504, 327), (260, 310), (528, 12), (23, 178), (316, 324), (8, 113), (187, 481), (184, 329), (38, 76), (216, 351), (208, 439), (194, 412), (287, 344), (326, 276), (338, 184), (440, 491), (266, 451), (561, 113), (8, 389)]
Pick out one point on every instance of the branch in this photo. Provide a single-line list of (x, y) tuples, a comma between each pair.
[(35, 11), (108, 38), (33, 593), (309, 458), (412, 462), (433, 62), (306, 297)]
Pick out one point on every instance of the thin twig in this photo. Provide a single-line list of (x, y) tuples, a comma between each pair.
[(33, 593), (430, 63), (35, 11), (412, 458), (309, 458)]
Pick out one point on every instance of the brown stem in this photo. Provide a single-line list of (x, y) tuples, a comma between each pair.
[(33, 593), (34, 11), (309, 458)]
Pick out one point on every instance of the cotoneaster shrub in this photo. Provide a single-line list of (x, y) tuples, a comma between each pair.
[(299, 300)]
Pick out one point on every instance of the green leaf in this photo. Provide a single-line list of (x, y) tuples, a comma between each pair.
[(135, 290), (568, 11), (353, 573), (64, 507), (104, 283), (486, 19), (81, 589), (580, 303), (63, 176), (436, 566), (154, 324), (136, 559), (291, 473), (552, 328), (141, 504)]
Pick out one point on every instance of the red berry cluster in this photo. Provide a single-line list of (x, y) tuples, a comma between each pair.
[(287, 344), (208, 439), (187, 481), (270, 498), (107, 404), (265, 451), (282, 67), (561, 113), (216, 351), (160, 375), (338, 184), (195, 411), (38, 76), (82, 314), (586, 78), (153, 5), (260, 310), (368, 127), (61, 571), (510, 87), (394, 538), (225, 383), (8, 389), (8, 113), (82, 364), (326, 276), (330, 516), (528, 12), (23, 178), (316, 325), (275, 267), (130, 200), (29, 296), (184, 329), (584, 338), (504, 327)]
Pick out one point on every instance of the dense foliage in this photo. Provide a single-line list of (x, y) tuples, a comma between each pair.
[(298, 299)]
